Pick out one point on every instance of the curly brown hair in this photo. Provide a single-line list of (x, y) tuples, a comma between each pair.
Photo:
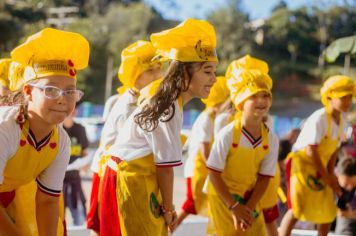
[(161, 105)]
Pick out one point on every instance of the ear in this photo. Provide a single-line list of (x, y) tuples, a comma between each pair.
[(27, 91)]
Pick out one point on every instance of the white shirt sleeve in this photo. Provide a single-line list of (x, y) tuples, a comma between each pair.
[(269, 162), (51, 179), (205, 130), (165, 141), (220, 149), (220, 122), (10, 134)]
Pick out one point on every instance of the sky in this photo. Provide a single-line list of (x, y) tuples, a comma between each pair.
[(181, 9)]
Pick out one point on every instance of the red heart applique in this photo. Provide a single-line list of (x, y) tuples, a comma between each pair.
[(234, 145), (72, 72), (22, 142), (265, 147), (70, 63), (53, 145)]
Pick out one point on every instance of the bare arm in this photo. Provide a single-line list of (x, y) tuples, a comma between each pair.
[(165, 179), (205, 150), (7, 227), (258, 191), (329, 178), (332, 163), (239, 212), (47, 214)]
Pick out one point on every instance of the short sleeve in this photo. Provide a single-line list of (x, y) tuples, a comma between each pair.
[(50, 180), (220, 149), (269, 162), (314, 131), (220, 122), (9, 137), (165, 142), (205, 129)]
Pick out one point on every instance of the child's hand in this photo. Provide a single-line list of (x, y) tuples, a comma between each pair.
[(242, 214), (171, 219), (334, 184)]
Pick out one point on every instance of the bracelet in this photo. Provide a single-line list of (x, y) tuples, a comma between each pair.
[(232, 206), (170, 212)]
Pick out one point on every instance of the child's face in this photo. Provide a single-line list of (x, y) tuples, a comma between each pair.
[(257, 105), (347, 182), (202, 80), (153, 73), (342, 104), (52, 111)]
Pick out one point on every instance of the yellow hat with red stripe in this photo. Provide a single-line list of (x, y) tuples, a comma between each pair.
[(52, 52)]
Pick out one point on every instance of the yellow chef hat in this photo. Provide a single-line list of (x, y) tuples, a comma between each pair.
[(218, 93), (52, 52), (135, 59), (336, 87), (16, 73), (247, 62), (191, 41), (4, 72), (245, 83)]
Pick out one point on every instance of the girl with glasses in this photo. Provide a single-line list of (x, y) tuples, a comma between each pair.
[(33, 164)]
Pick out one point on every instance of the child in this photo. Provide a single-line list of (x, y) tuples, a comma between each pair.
[(199, 145), (310, 167), (346, 175), (37, 148), (137, 70), (149, 144), (243, 157), (74, 197)]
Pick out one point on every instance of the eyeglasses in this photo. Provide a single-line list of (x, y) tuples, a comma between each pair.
[(53, 92)]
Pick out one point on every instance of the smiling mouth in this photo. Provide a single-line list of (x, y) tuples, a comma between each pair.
[(58, 111)]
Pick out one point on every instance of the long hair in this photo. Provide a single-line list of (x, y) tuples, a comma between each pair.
[(161, 105), (16, 98)]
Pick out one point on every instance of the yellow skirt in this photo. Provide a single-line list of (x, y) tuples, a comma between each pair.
[(198, 180), (22, 210), (139, 199), (311, 198), (223, 222)]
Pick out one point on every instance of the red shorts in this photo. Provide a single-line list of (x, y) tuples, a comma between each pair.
[(288, 175), (188, 205), (271, 214), (93, 221), (110, 223)]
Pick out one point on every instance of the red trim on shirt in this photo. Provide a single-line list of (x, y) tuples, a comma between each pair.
[(216, 170), (168, 165), (50, 194), (264, 175)]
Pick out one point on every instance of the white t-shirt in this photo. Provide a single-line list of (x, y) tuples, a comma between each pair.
[(51, 179), (164, 142), (202, 132), (315, 128), (109, 104), (221, 121), (223, 143), (121, 110)]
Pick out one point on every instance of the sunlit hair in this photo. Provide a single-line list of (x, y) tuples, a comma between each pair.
[(161, 105)]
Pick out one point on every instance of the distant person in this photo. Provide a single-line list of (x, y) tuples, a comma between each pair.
[(74, 197), (346, 218)]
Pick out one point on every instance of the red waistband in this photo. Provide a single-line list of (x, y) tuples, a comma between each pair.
[(116, 159)]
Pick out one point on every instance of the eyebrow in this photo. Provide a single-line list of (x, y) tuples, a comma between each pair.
[(207, 67)]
